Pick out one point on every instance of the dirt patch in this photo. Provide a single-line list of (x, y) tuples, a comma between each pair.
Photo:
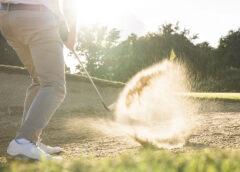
[(86, 133), (218, 130), (80, 134)]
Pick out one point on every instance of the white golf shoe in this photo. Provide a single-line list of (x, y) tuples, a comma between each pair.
[(27, 151), (49, 149)]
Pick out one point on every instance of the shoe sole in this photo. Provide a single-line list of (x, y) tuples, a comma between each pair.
[(20, 157), (56, 153)]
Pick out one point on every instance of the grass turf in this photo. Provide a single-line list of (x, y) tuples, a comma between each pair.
[(216, 96), (146, 161)]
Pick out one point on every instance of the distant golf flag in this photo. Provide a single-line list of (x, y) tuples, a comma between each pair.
[(173, 55)]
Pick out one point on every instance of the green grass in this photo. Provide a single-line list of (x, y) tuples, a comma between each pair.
[(145, 161), (216, 96)]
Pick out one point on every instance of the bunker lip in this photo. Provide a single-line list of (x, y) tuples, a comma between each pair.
[(70, 77)]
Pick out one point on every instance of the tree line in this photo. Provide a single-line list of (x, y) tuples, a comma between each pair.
[(109, 57), (211, 69)]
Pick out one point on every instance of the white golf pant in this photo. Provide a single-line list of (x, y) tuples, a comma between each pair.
[(35, 38)]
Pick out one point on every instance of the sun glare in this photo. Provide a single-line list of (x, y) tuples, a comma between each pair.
[(142, 16), (106, 12)]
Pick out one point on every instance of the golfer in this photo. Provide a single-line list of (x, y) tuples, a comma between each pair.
[(31, 27)]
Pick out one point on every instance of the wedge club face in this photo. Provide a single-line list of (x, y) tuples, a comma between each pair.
[(112, 107)]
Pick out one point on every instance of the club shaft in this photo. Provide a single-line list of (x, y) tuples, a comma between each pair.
[(89, 77)]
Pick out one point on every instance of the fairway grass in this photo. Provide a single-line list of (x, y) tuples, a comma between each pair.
[(214, 96), (145, 161)]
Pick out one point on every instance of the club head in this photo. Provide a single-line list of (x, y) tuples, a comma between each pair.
[(112, 107)]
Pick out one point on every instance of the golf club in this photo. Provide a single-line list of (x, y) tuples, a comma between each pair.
[(89, 77)]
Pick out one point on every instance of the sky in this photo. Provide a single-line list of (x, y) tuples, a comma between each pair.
[(210, 19)]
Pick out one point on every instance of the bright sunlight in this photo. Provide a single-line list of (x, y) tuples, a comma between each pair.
[(106, 12), (141, 16)]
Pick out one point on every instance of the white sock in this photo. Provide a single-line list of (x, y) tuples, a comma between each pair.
[(22, 141)]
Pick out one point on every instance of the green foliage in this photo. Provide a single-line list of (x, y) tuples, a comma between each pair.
[(95, 45), (214, 96), (112, 59), (120, 61), (145, 161), (228, 51)]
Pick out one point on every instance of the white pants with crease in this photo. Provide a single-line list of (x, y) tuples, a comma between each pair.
[(35, 38)]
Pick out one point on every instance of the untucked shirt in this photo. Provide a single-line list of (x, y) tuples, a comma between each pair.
[(53, 5)]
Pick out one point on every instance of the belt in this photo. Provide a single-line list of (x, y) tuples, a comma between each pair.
[(27, 7)]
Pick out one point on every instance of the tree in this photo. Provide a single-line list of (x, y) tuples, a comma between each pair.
[(94, 44), (228, 51), (135, 54)]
